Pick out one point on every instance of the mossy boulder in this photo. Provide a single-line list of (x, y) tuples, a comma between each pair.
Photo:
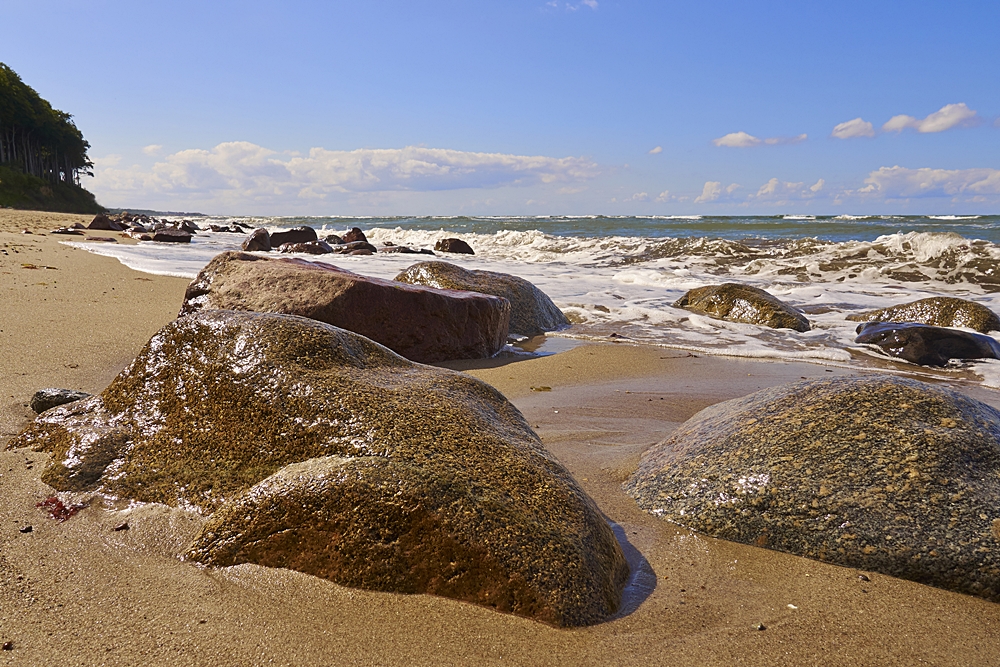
[(421, 323), (531, 311), (319, 450), (941, 311), (880, 473), (742, 303)]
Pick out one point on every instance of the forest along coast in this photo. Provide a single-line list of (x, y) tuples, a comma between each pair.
[(132, 485)]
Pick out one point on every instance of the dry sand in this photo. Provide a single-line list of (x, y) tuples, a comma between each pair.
[(80, 593)]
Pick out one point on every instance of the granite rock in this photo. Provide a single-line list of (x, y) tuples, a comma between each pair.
[(926, 345), (102, 221), (319, 450), (421, 323), (531, 311), (258, 241), (938, 311), (876, 472), (44, 399), (301, 234), (171, 235), (742, 303), (457, 246)]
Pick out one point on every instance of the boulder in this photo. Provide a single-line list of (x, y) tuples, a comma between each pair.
[(742, 303), (875, 472), (188, 226), (421, 323), (354, 235), (45, 399), (531, 310), (926, 345), (171, 235), (939, 311), (311, 248), (319, 450), (454, 245), (258, 241), (101, 221), (350, 247), (293, 235), (405, 250), (333, 239)]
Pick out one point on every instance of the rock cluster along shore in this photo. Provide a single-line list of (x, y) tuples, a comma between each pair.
[(880, 473), (421, 323), (353, 242), (316, 449)]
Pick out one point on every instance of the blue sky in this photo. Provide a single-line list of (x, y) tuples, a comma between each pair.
[(524, 107)]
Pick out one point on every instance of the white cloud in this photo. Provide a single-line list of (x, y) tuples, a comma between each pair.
[(656, 151), (713, 191), (152, 149), (107, 161), (639, 196), (779, 192), (243, 171), (744, 140), (590, 3), (663, 196), (945, 118), (902, 183), (853, 128)]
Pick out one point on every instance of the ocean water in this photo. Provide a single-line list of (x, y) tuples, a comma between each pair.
[(617, 277)]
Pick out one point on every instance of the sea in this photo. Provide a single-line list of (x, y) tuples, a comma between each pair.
[(617, 277)]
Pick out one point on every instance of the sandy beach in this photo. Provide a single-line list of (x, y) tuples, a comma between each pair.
[(80, 593)]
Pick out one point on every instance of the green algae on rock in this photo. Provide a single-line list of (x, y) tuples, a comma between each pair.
[(742, 303), (532, 312), (941, 311), (880, 473), (353, 463)]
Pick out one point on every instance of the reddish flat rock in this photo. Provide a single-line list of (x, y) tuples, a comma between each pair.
[(421, 323)]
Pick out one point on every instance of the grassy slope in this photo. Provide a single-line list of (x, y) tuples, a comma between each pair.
[(19, 190)]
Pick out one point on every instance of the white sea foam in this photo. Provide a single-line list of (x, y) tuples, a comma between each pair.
[(627, 285)]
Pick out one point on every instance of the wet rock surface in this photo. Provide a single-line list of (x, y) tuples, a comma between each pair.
[(880, 473), (457, 246), (927, 345), (421, 323), (532, 311), (319, 450), (258, 241), (742, 303), (43, 399), (301, 234), (171, 235), (937, 311)]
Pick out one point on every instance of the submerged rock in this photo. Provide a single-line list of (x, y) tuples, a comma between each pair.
[(421, 323), (44, 399), (457, 246), (879, 473), (939, 311), (322, 451), (531, 310), (742, 303), (926, 345)]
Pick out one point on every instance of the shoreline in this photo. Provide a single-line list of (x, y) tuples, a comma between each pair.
[(80, 593)]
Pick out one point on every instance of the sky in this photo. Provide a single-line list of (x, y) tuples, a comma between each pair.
[(524, 107)]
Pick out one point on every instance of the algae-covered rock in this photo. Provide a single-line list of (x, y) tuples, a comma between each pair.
[(531, 310), (322, 451), (421, 323), (941, 311), (881, 473), (926, 345), (742, 303)]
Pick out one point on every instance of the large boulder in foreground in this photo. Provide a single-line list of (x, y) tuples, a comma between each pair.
[(926, 345), (742, 303), (881, 473), (531, 311), (940, 311), (421, 323), (319, 450)]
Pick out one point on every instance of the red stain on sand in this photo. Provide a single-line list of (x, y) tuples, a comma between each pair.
[(58, 510)]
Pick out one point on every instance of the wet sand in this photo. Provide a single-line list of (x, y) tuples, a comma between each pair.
[(81, 593)]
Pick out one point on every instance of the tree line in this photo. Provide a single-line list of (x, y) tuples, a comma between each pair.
[(37, 139)]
